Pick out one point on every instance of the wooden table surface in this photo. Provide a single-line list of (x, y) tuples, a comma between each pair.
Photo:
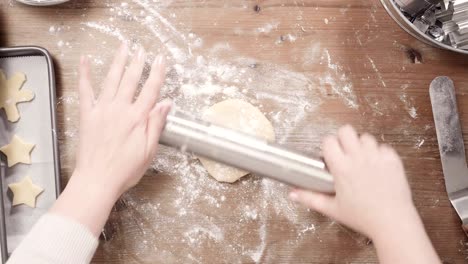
[(311, 66)]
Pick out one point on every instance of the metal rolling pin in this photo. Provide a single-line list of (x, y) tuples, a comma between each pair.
[(245, 152)]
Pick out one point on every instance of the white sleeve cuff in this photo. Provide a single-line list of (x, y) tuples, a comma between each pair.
[(56, 239)]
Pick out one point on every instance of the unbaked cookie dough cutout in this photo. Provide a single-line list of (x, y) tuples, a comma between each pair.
[(18, 151), (241, 116), (25, 192), (11, 94)]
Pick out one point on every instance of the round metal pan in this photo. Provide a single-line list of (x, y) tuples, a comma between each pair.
[(403, 22), (42, 2)]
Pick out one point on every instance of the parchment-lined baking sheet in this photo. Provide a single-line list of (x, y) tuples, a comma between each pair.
[(35, 126)]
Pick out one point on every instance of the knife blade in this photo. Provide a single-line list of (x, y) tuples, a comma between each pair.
[(451, 144)]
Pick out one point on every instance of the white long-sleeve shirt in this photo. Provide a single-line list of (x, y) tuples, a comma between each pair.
[(56, 239)]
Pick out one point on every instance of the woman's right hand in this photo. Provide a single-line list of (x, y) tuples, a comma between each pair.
[(371, 186)]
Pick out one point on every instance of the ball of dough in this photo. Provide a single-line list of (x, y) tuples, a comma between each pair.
[(241, 116)]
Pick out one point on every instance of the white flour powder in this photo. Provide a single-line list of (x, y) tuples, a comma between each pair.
[(198, 212)]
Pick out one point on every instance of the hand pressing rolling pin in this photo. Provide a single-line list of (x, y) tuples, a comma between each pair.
[(372, 197), (372, 194)]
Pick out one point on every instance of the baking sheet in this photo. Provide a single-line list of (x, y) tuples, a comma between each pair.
[(35, 126)]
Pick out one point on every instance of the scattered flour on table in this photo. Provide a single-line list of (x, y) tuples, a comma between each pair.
[(197, 233), (250, 213), (196, 80), (408, 103), (419, 143), (376, 70), (267, 28), (258, 253), (336, 79), (106, 29), (199, 75)]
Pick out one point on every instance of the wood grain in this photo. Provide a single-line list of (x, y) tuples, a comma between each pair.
[(379, 59)]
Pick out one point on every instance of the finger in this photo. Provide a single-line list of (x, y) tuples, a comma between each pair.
[(156, 123), (85, 87), (368, 141), (349, 139), (132, 77), (112, 81), (150, 92), (322, 203), (389, 154), (388, 149), (332, 152)]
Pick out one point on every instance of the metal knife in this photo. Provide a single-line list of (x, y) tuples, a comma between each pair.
[(3, 231), (451, 145), (246, 152)]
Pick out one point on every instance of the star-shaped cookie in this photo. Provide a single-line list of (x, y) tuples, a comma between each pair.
[(17, 151), (12, 94), (25, 192)]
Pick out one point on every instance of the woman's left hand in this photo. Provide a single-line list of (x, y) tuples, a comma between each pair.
[(119, 135), (119, 138)]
